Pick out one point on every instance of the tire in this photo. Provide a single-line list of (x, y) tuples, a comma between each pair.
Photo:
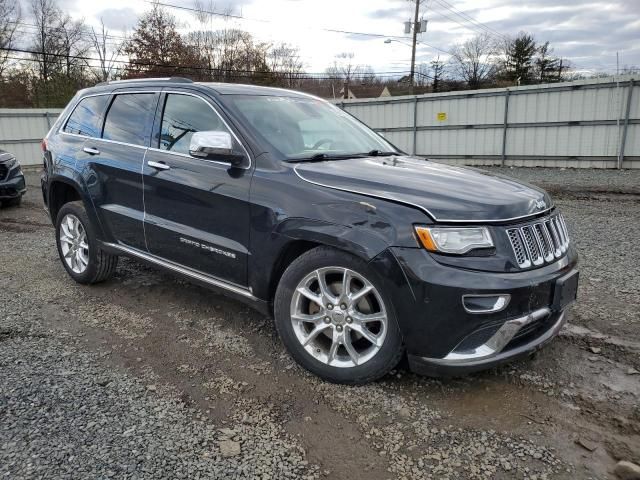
[(100, 265), (375, 346)]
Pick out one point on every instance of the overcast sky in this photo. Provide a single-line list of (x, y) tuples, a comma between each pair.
[(587, 33)]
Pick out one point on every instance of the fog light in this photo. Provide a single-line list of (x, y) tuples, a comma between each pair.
[(485, 303)]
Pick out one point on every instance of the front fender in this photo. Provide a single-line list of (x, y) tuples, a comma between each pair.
[(358, 241)]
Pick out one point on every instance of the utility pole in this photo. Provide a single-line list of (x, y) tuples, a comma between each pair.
[(416, 28)]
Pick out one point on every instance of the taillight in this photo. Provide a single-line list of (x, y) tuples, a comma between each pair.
[(43, 144)]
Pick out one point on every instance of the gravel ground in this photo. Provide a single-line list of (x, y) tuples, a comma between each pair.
[(146, 376)]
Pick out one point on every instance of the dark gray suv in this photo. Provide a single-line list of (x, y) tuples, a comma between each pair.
[(361, 253)]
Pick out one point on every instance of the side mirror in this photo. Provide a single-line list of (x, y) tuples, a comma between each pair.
[(216, 146)]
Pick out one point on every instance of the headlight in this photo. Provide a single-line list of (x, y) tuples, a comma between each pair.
[(454, 239), (12, 162)]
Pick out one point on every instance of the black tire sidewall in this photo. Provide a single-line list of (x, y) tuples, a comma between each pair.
[(386, 358), (77, 209)]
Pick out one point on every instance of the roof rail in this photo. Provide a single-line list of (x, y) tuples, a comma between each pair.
[(135, 80)]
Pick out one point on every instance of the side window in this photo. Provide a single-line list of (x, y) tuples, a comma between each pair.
[(182, 116), (85, 119), (129, 118)]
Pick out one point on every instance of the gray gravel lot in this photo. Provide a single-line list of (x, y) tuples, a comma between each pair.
[(147, 376)]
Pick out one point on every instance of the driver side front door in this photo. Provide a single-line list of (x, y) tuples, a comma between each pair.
[(196, 210)]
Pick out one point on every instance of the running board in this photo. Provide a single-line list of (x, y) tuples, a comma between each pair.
[(182, 270)]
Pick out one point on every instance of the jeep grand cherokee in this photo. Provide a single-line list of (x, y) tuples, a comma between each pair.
[(361, 253)]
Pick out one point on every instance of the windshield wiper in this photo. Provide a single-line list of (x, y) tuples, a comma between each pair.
[(378, 153), (318, 157)]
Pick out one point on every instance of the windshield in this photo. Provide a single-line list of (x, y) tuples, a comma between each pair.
[(303, 128)]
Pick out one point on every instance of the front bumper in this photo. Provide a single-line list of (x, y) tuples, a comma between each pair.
[(13, 186), (443, 338), (494, 352)]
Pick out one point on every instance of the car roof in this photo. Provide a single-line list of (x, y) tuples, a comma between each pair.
[(218, 88), (244, 89)]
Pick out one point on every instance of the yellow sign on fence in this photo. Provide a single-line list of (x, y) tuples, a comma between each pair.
[(442, 116)]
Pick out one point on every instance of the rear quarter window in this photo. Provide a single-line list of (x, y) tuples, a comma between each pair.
[(86, 117)]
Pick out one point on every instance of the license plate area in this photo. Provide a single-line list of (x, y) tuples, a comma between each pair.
[(565, 291)]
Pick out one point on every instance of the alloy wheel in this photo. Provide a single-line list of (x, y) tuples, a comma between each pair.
[(73, 243), (339, 317)]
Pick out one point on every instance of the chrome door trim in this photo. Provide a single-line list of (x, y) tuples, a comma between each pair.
[(60, 130), (183, 270)]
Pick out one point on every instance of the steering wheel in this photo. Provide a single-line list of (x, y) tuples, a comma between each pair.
[(320, 142)]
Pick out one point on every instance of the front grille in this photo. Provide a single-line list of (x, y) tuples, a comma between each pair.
[(540, 242), (3, 171)]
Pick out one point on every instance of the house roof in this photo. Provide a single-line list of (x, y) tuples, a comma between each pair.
[(398, 90)]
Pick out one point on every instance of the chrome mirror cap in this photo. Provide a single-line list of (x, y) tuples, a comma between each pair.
[(204, 144)]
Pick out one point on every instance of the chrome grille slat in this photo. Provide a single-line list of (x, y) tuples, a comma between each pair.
[(518, 248), (556, 240), (543, 242), (563, 240), (564, 227), (540, 242), (531, 245)]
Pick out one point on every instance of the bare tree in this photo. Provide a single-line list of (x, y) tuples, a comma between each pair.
[(9, 19), (284, 61), (107, 54), (72, 44), (47, 17), (437, 67), (474, 60), (344, 70), (230, 54), (343, 66)]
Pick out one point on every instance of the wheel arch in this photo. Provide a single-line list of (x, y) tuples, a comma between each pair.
[(297, 236), (62, 190)]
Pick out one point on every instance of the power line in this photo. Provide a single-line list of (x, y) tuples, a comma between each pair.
[(246, 73), (239, 17), (461, 14)]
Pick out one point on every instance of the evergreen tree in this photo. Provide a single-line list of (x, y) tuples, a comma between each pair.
[(520, 54)]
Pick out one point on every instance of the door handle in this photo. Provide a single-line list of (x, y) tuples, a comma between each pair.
[(158, 165), (91, 150)]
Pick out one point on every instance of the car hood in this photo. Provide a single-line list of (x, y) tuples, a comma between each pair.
[(446, 193)]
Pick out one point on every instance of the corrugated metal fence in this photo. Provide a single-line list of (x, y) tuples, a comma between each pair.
[(21, 131), (586, 124), (590, 123)]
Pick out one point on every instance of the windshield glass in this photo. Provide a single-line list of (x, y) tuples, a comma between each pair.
[(301, 128)]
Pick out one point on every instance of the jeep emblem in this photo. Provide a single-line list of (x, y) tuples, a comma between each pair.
[(541, 204)]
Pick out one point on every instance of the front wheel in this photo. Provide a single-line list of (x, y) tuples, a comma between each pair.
[(335, 319)]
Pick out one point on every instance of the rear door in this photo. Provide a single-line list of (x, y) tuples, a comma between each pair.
[(115, 177), (196, 210), (83, 125)]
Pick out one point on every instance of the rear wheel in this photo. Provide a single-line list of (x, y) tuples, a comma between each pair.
[(334, 318), (78, 247)]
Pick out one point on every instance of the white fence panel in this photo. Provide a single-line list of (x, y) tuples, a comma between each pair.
[(573, 124), (22, 130)]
